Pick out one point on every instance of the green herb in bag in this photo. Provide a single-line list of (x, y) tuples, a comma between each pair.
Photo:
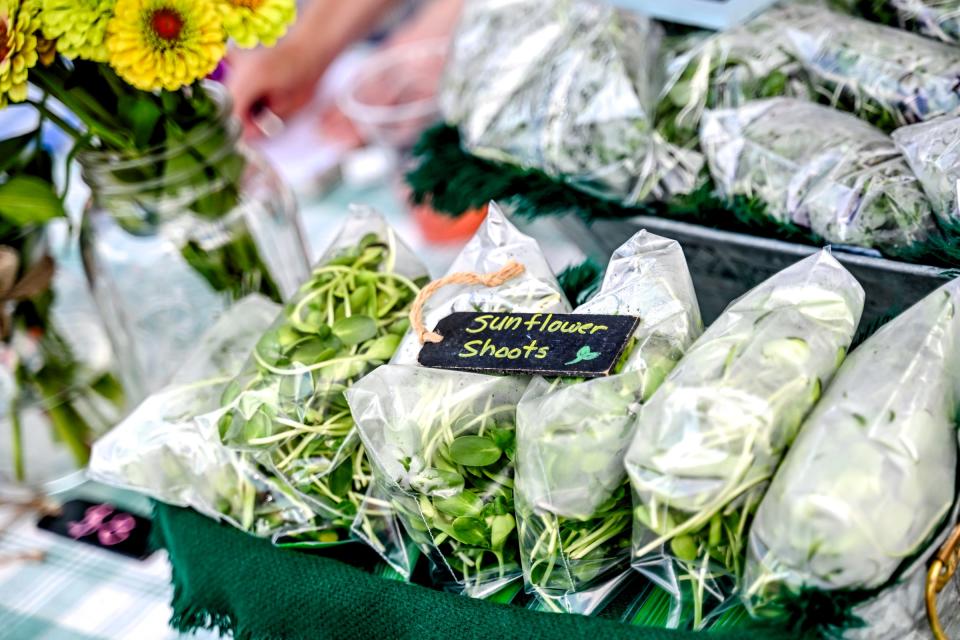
[(871, 477), (288, 406), (818, 168), (711, 437), (573, 498)]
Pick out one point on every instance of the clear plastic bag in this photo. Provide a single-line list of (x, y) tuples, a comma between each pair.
[(818, 168), (496, 243), (573, 499), (711, 437), (886, 76), (568, 87), (286, 408), (871, 478), (728, 69), (160, 450), (938, 19), (442, 442), (932, 149)]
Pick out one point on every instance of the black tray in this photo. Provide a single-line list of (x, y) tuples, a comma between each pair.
[(725, 265)]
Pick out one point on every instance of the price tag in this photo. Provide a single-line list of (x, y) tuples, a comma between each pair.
[(548, 344)]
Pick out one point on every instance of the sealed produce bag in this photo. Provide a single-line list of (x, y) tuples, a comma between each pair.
[(932, 149), (709, 440), (938, 19), (728, 69), (162, 451), (286, 408), (442, 443), (495, 245), (573, 499), (886, 76), (872, 476), (568, 87), (820, 169)]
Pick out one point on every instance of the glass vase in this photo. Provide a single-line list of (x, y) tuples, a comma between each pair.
[(174, 236)]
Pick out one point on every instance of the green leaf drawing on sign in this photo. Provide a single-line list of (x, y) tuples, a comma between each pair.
[(585, 353)]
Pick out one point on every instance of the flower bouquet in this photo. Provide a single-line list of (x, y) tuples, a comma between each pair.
[(182, 219)]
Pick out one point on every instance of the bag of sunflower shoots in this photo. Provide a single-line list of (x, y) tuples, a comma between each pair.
[(442, 443), (932, 149), (870, 480), (569, 88), (573, 502), (287, 407), (160, 449), (820, 169), (884, 75), (709, 440)]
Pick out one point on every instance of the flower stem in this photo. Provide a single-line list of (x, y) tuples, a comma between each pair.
[(87, 111), (16, 426)]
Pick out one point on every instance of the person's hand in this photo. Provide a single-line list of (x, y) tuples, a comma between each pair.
[(280, 79)]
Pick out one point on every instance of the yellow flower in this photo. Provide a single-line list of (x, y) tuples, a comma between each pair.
[(253, 22), (19, 23), (165, 44), (79, 26)]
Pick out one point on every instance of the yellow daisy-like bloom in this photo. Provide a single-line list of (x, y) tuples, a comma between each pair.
[(253, 22), (79, 26), (165, 44), (19, 23)]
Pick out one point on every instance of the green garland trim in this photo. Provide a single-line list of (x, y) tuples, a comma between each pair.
[(452, 181)]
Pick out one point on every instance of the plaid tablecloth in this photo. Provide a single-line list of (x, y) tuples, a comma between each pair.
[(79, 592)]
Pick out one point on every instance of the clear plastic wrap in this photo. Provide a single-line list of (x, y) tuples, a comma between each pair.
[(728, 69), (287, 406), (568, 87), (711, 437), (496, 243), (573, 499), (932, 149), (442, 443), (938, 19), (161, 451), (818, 168), (871, 477), (886, 76)]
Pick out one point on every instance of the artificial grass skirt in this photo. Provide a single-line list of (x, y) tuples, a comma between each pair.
[(227, 580)]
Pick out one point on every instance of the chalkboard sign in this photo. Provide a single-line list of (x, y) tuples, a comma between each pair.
[(549, 344)]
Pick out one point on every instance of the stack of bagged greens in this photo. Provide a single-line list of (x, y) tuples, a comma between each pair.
[(709, 440), (573, 499), (442, 443), (870, 480), (820, 169)]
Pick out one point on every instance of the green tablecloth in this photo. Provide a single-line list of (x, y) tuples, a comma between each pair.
[(232, 581)]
